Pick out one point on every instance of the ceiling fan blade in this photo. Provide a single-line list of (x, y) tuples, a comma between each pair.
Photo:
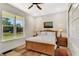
[(30, 6), (39, 7), (36, 3)]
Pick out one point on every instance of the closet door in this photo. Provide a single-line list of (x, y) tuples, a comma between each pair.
[(74, 22)]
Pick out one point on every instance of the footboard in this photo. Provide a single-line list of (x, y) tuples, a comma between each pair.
[(40, 47)]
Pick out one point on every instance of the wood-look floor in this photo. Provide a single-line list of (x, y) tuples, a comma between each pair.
[(21, 51)]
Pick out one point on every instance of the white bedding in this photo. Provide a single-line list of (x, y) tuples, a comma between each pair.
[(44, 38)]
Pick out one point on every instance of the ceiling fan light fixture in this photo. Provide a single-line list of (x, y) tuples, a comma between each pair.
[(36, 5)]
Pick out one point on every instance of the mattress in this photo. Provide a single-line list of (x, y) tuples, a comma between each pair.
[(49, 39)]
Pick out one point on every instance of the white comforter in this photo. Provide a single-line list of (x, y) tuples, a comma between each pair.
[(50, 39)]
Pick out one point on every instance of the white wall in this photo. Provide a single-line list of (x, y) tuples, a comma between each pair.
[(5, 46), (74, 31), (59, 21), (30, 24)]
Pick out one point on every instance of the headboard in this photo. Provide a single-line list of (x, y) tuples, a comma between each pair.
[(50, 31)]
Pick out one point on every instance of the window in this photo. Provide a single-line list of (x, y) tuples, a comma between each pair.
[(12, 26), (8, 23), (19, 26)]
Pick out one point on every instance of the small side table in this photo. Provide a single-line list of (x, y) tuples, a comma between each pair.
[(62, 41)]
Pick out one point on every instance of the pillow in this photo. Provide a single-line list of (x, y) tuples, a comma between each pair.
[(51, 33), (43, 33)]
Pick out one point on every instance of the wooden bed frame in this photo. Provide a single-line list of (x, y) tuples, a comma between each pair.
[(44, 48)]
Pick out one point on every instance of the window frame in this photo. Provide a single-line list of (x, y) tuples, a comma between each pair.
[(14, 27), (23, 25)]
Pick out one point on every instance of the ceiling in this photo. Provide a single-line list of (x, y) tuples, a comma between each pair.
[(47, 8)]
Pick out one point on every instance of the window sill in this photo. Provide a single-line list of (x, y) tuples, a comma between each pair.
[(12, 39)]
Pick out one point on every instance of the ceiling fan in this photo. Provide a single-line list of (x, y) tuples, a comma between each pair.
[(37, 4)]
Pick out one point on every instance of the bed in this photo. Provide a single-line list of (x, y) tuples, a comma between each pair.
[(43, 43)]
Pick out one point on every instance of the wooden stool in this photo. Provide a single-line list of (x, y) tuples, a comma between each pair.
[(62, 51)]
